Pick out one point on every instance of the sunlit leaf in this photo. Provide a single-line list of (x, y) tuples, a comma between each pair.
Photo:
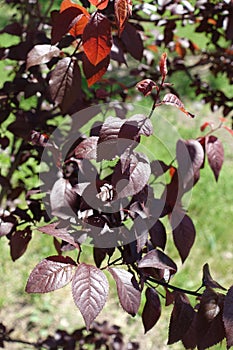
[(100, 4), (127, 289), (97, 38), (90, 291), (159, 260), (94, 73), (215, 154), (123, 9), (42, 54), (173, 100), (50, 274)]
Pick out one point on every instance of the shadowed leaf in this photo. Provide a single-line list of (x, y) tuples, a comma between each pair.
[(90, 291), (127, 289), (228, 316), (158, 235), (87, 149), (65, 83), (181, 318), (50, 274), (152, 309), (215, 154), (157, 259), (184, 233), (19, 242), (132, 41), (207, 279)]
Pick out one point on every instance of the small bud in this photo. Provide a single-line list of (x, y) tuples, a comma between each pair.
[(145, 86)]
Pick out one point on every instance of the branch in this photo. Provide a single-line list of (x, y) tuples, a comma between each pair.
[(178, 289)]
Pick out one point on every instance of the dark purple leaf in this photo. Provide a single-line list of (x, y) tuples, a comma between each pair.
[(50, 274), (158, 235), (181, 318), (207, 279), (63, 22), (65, 83), (141, 233), (157, 259), (19, 242), (90, 291), (41, 54), (228, 316), (183, 232), (152, 309), (190, 157), (132, 41), (131, 174), (87, 149), (136, 125), (158, 168), (60, 233), (63, 199), (127, 289), (209, 322), (215, 154)]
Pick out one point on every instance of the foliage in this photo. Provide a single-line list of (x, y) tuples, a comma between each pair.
[(96, 187)]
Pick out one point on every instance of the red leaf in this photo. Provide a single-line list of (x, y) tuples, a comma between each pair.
[(183, 232), (215, 154), (228, 317), (87, 149), (60, 233), (163, 66), (79, 22), (132, 41), (128, 290), (50, 274), (97, 38), (90, 291), (228, 129), (94, 73), (157, 259), (152, 309), (100, 4), (171, 99), (41, 54), (146, 86), (190, 158), (19, 242), (205, 125), (65, 83), (181, 318), (123, 9)]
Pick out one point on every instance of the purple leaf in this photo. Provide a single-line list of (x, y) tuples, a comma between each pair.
[(41, 54), (60, 233), (181, 318), (62, 198), (157, 259), (190, 157), (158, 235), (127, 289), (215, 154), (131, 174), (152, 309), (207, 279), (228, 316), (65, 83), (50, 274), (132, 41), (19, 242), (90, 291), (183, 232), (87, 149)]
